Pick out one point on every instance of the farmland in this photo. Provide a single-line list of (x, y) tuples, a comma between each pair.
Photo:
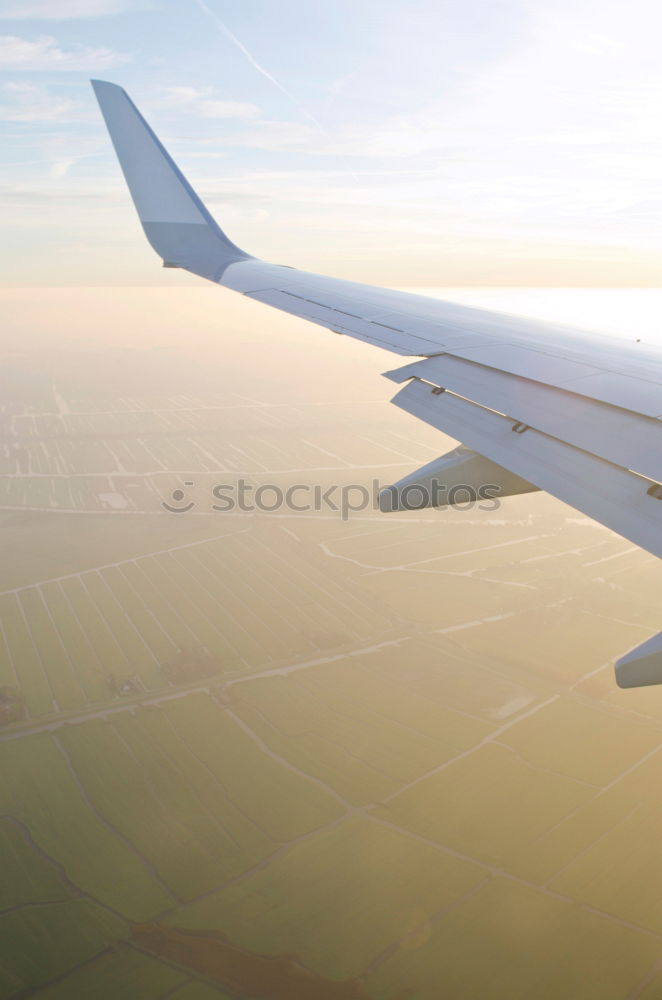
[(74, 637), (291, 753)]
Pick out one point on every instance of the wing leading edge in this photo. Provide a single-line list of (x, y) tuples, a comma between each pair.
[(587, 409)]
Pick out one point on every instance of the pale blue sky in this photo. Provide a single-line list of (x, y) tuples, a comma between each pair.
[(432, 143)]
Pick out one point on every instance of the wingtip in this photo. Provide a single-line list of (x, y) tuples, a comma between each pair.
[(100, 85)]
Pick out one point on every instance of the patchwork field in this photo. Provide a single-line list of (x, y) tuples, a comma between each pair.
[(236, 602)]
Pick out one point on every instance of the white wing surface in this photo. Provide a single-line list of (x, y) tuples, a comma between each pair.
[(554, 408)]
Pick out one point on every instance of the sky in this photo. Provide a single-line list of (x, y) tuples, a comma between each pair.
[(422, 143)]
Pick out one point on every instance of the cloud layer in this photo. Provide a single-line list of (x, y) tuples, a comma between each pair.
[(62, 10), (44, 54)]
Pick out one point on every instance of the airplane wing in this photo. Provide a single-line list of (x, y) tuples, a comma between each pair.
[(536, 405)]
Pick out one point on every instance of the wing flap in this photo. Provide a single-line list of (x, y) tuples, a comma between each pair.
[(620, 436), (613, 496)]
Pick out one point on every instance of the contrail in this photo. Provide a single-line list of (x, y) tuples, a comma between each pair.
[(256, 65)]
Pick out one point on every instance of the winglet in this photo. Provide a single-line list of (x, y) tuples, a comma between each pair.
[(174, 219)]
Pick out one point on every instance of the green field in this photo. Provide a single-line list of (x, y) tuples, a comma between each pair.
[(513, 932), (499, 804), (119, 972), (42, 943), (353, 729), (277, 911)]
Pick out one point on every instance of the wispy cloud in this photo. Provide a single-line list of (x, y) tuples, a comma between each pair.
[(201, 101), (64, 10), (44, 53), (28, 102), (61, 167)]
